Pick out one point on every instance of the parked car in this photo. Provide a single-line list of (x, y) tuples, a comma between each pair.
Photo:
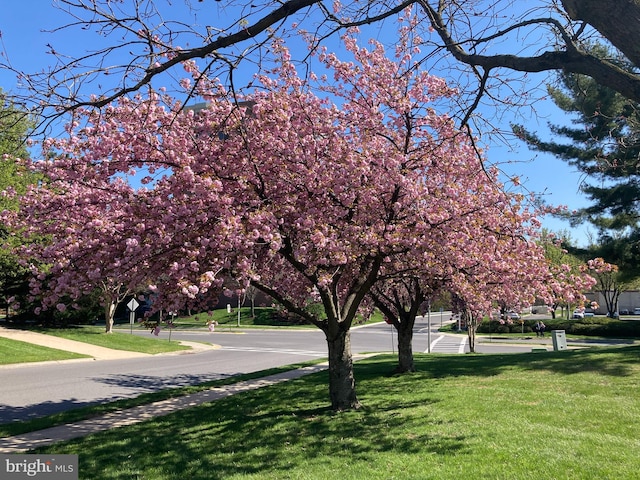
[(513, 315), (578, 313), (636, 311)]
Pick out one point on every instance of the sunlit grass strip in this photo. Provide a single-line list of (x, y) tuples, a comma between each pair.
[(16, 351), (565, 415), (263, 318), (117, 340)]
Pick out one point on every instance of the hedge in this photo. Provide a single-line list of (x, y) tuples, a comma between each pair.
[(589, 326)]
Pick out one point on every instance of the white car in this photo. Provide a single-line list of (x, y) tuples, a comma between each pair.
[(578, 313)]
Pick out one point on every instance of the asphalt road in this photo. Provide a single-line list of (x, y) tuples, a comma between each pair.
[(29, 391)]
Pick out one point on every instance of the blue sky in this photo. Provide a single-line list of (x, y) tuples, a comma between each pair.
[(24, 39)]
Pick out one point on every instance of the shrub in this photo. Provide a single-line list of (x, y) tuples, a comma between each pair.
[(496, 326), (590, 326)]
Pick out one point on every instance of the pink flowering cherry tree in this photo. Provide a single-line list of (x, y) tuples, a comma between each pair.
[(74, 249), (400, 299), (500, 262), (305, 190), (478, 253), (604, 277)]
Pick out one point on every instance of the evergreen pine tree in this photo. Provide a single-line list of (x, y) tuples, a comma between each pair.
[(603, 142)]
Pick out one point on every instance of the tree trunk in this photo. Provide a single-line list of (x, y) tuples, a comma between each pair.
[(472, 326), (471, 332), (405, 349), (109, 312), (611, 301), (342, 384), (617, 20)]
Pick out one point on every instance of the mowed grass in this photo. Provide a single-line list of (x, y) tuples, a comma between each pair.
[(557, 415), (116, 340), (15, 351), (262, 317)]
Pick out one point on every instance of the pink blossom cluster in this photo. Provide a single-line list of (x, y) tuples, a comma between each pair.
[(310, 188)]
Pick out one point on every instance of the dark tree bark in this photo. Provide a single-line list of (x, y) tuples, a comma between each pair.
[(616, 20), (399, 300), (571, 56), (342, 383), (336, 320), (472, 327), (405, 348)]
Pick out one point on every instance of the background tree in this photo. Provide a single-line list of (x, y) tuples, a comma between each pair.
[(608, 283), (603, 142), (566, 281), (507, 271), (15, 126), (400, 300), (70, 248), (487, 259), (111, 294)]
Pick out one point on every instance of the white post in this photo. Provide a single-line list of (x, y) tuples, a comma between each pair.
[(429, 326), (238, 308), (393, 346)]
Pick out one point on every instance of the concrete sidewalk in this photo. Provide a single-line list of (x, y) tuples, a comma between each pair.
[(49, 436), (51, 341), (94, 351)]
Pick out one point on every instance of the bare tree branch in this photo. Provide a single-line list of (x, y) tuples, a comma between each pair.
[(474, 41)]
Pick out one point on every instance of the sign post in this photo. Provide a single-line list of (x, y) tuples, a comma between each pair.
[(390, 323), (132, 306)]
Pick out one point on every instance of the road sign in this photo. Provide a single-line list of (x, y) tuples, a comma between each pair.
[(133, 305)]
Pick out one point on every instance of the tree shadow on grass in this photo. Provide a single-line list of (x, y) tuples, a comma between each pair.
[(287, 427), (135, 384), (263, 432), (612, 361)]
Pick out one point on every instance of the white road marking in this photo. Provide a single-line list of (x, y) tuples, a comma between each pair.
[(433, 344), (448, 344), (462, 344)]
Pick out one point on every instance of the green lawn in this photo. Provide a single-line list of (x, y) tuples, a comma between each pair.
[(116, 340), (558, 415), (263, 317), (14, 351)]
